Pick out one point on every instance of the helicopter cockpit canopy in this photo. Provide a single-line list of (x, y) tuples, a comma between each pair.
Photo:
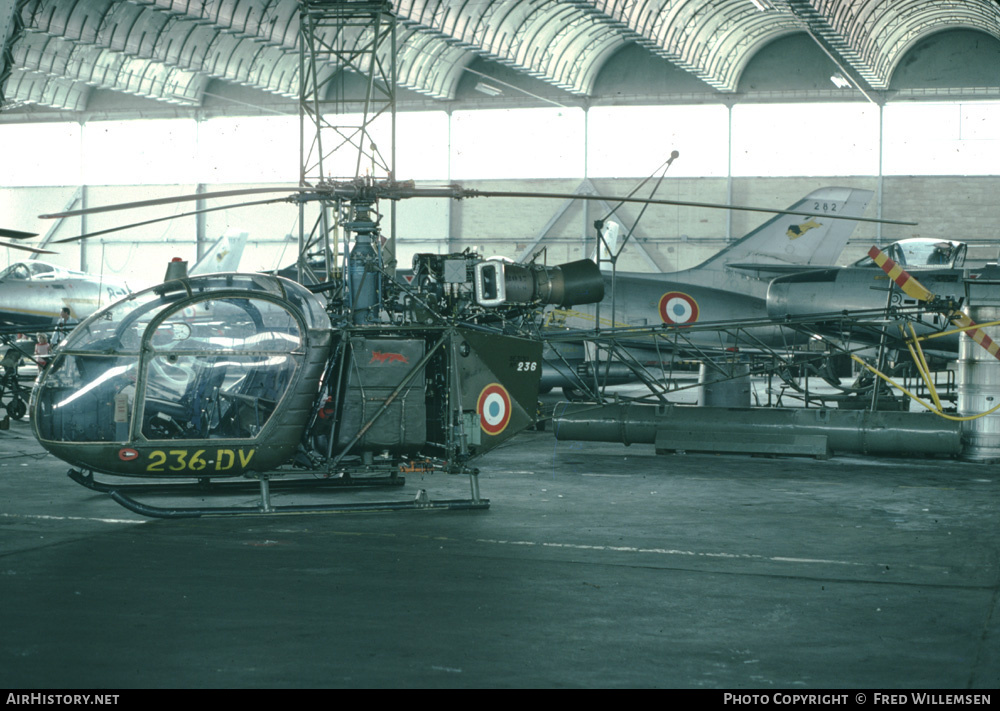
[(206, 358)]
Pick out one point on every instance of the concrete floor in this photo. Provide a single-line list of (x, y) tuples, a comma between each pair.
[(596, 566)]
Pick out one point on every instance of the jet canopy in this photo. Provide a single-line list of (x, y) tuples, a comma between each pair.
[(36, 270), (920, 252)]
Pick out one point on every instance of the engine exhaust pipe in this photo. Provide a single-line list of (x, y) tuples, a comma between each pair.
[(499, 283)]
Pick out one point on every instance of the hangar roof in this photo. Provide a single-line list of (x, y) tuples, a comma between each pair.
[(96, 55)]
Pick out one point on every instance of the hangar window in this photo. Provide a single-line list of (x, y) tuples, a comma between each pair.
[(35, 153), (517, 143), (421, 145), (139, 152), (805, 139), (942, 139), (632, 141), (248, 149)]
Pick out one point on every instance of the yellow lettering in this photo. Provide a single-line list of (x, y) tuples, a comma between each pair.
[(181, 456), (197, 463), (157, 459), (224, 455), (181, 459)]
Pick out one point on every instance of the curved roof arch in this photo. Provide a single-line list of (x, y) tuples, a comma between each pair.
[(169, 50), (897, 43)]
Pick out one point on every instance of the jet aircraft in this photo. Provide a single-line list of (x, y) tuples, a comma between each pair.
[(728, 287), (824, 294), (33, 293), (733, 284), (224, 256)]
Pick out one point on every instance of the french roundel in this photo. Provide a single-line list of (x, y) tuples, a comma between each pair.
[(677, 308), (494, 409)]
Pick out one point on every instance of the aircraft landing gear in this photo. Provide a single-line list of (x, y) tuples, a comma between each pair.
[(265, 506), (17, 407)]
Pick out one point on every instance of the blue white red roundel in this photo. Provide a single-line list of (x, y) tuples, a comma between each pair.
[(494, 409), (677, 308)]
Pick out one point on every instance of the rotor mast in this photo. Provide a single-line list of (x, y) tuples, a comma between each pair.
[(347, 117)]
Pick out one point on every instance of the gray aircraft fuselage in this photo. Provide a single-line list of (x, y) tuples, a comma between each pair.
[(33, 293)]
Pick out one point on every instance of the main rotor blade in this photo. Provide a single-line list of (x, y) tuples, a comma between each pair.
[(680, 203), (392, 190), (16, 234), (910, 286), (976, 334), (26, 249), (163, 219), (914, 289), (171, 200)]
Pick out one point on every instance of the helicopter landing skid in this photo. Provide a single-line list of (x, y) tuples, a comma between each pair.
[(421, 502), (203, 486)]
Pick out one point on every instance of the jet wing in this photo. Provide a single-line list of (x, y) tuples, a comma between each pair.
[(771, 271)]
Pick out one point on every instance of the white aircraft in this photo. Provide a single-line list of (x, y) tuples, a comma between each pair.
[(34, 293)]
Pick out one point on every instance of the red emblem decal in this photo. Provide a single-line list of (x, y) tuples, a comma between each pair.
[(380, 357), (494, 409), (127, 455), (677, 308)]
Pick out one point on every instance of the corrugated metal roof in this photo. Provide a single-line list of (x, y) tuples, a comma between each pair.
[(171, 50)]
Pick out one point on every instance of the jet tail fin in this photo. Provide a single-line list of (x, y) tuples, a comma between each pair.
[(224, 256), (798, 240)]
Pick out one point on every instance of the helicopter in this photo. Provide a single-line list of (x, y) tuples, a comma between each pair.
[(240, 375), (350, 381)]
